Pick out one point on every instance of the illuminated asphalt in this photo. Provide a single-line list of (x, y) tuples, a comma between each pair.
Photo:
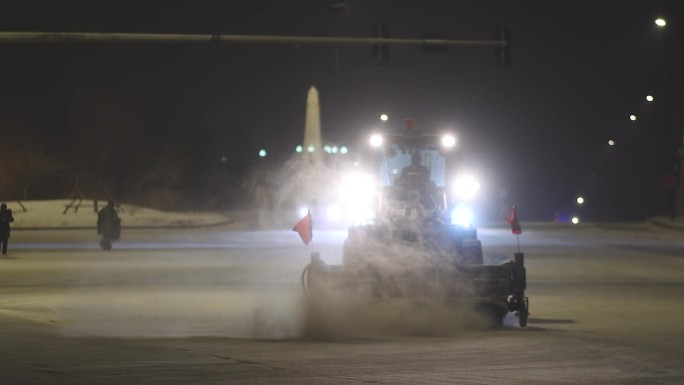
[(216, 306)]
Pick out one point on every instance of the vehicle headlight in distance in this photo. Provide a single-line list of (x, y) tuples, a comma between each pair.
[(466, 187), (448, 141), (376, 140)]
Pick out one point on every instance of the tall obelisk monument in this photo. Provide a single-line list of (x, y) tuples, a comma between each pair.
[(312, 126)]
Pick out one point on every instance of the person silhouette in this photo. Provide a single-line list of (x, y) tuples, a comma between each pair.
[(108, 225), (414, 183), (416, 169), (5, 219)]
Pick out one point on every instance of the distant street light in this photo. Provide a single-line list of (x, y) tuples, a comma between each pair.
[(632, 117), (660, 22), (575, 220), (580, 200), (384, 117), (649, 98), (262, 153), (611, 142), (299, 149)]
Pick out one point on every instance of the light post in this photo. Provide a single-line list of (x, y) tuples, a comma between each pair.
[(675, 175), (672, 181)]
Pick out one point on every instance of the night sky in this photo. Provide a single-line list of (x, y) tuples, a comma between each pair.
[(145, 116)]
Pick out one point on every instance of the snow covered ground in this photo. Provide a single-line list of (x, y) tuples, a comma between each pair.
[(207, 305), (54, 213)]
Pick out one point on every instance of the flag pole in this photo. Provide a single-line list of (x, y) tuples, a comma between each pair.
[(515, 225), (308, 245)]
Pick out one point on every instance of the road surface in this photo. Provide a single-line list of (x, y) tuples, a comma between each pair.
[(212, 306)]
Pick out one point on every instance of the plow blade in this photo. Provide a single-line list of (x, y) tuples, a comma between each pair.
[(492, 290)]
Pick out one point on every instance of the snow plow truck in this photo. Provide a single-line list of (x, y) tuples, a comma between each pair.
[(417, 239)]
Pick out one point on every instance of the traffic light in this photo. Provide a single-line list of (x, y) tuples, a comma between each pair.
[(380, 52), (503, 53)]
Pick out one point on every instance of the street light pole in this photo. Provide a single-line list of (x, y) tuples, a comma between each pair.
[(672, 177), (676, 135)]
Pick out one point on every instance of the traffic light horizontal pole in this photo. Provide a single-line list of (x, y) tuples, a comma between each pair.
[(106, 37)]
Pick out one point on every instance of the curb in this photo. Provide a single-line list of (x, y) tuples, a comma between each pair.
[(666, 224)]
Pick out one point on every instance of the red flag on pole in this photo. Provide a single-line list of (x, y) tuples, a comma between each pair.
[(513, 221), (304, 228)]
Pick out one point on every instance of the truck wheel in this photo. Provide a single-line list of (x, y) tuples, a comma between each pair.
[(524, 312)]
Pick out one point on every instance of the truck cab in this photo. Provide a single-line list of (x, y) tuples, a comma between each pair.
[(415, 204)]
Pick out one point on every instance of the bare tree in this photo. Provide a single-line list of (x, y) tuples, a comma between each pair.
[(23, 166), (105, 133)]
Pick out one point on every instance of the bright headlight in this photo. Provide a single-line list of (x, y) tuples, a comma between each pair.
[(357, 188), (448, 141), (462, 216), (334, 213), (357, 192), (376, 140), (465, 187)]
